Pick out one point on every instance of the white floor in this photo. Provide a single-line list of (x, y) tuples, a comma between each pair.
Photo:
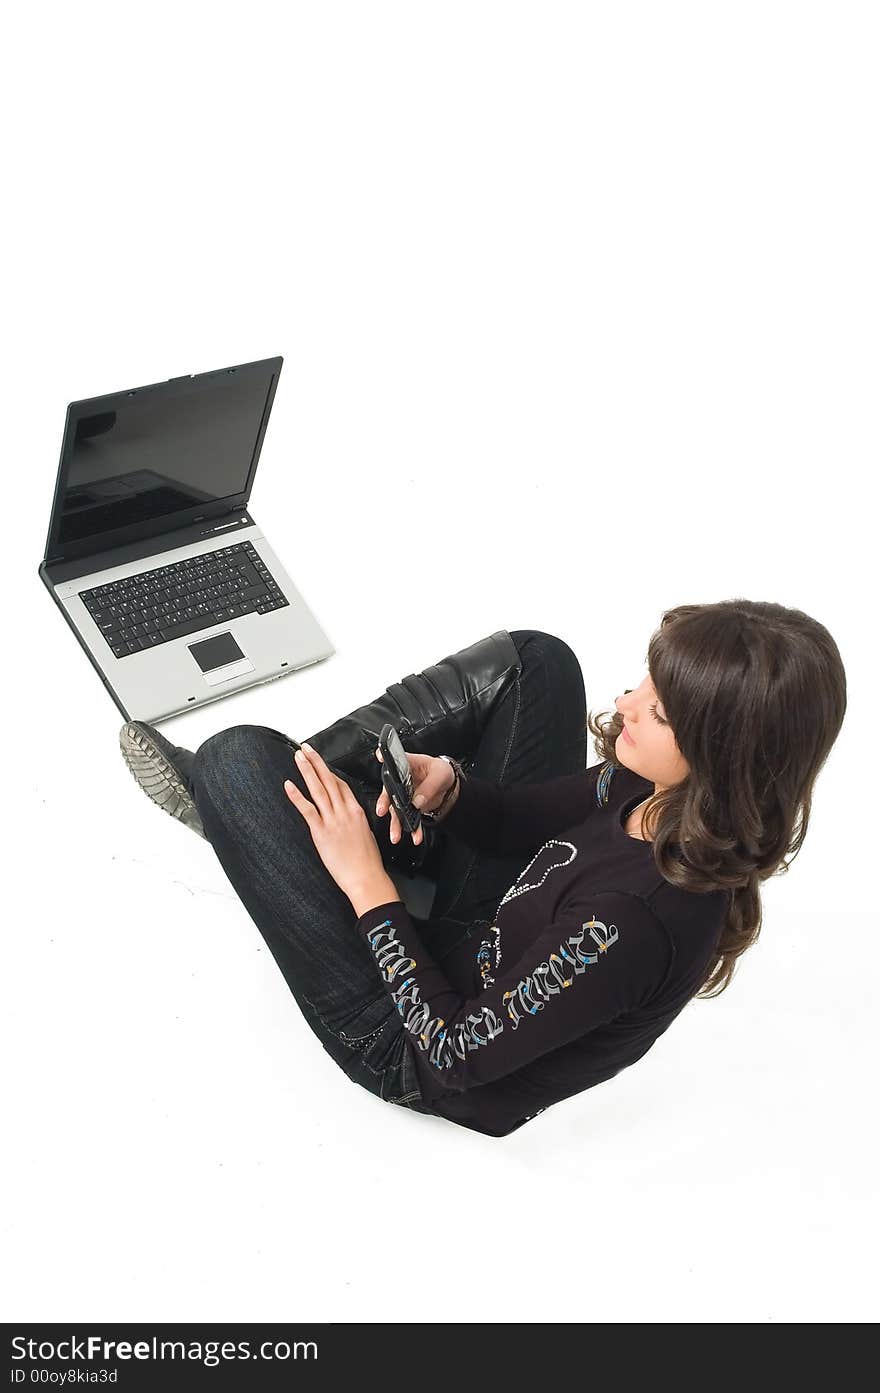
[(180, 1146), (578, 308)]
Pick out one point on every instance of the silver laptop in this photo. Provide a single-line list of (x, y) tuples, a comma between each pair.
[(152, 556)]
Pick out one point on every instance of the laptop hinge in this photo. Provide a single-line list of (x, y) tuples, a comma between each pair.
[(59, 571)]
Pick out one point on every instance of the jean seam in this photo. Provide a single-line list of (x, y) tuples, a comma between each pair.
[(379, 1073), (353, 1042), (361, 1042)]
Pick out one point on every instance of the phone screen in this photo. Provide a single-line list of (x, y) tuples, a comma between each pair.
[(398, 755)]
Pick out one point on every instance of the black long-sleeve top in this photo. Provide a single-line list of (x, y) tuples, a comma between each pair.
[(590, 957)]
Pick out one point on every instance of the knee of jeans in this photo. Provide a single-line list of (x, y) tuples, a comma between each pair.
[(226, 748), (536, 647)]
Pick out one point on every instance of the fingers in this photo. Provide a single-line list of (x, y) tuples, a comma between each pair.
[(396, 831), (383, 805), (319, 780), (298, 800), (381, 801)]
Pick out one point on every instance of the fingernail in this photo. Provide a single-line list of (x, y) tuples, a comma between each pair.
[(305, 745)]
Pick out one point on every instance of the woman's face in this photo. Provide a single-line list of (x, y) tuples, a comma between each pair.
[(653, 754)]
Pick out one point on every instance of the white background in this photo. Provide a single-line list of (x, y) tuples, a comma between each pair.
[(587, 297)]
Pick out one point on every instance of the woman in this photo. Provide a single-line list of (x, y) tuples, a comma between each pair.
[(581, 908)]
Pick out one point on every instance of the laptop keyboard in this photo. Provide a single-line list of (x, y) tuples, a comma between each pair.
[(154, 607)]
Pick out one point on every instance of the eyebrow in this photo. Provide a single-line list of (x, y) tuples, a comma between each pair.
[(660, 701)]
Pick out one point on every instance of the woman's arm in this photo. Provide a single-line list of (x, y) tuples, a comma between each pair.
[(599, 959), (519, 817)]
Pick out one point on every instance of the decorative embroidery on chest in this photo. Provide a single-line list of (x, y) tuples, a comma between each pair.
[(488, 957)]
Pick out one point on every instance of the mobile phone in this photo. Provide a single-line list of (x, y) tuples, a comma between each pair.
[(397, 778)]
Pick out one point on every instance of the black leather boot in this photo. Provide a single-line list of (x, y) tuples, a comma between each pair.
[(441, 710)]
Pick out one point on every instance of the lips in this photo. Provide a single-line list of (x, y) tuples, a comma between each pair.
[(626, 735)]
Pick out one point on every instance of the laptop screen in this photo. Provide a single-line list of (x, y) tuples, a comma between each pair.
[(132, 462)]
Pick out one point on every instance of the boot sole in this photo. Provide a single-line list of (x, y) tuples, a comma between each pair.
[(158, 777)]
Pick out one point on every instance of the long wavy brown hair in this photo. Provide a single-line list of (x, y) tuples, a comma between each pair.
[(755, 694)]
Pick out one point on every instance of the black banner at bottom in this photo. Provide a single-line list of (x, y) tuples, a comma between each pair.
[(134, 1355)]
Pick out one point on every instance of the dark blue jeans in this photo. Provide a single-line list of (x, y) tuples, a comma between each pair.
[(537, 731)]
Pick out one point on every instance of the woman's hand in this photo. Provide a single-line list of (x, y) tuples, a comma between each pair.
[(432, 778), (340, 831)]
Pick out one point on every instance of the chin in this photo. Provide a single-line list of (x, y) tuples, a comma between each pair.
[(622, 751)]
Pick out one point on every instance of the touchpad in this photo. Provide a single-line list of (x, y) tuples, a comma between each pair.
[(220, 658)]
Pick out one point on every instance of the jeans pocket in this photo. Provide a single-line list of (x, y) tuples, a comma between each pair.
[(386, 1059), (407, 1091), (360, 1024)]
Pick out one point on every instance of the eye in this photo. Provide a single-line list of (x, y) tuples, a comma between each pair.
[(658, 719)]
